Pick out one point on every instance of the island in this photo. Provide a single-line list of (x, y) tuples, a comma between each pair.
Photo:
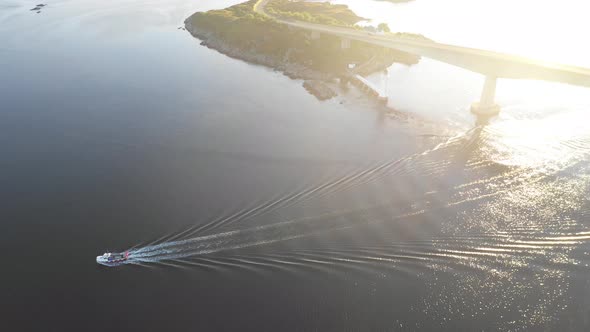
[(243, 33)]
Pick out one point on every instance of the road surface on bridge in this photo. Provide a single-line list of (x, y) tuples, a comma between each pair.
[(489, 63)]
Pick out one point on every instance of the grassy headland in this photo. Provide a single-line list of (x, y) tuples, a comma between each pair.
[(240, 32)]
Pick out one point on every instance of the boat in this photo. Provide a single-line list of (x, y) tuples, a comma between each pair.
[(112, 259)]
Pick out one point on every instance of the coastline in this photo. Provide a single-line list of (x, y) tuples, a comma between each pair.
[(291, 70), (245, 33)]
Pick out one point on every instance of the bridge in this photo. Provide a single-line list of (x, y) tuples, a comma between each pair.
[(492, 65)]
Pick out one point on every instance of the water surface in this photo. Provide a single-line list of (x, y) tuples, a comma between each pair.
[(118, 129)]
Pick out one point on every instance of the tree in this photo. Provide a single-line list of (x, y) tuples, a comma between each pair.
[(383, 27), (370, 28)]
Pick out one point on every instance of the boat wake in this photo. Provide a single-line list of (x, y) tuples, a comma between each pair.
[(449, 175)]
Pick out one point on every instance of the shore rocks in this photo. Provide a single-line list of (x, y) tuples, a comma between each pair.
[(315, 81), (38, 8), (291, 70), (319, 89)]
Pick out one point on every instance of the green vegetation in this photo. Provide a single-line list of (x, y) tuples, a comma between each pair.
[(314, 12), (238, 24), (383, 27)]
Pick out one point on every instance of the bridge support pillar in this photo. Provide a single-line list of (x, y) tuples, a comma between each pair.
[(486, 105), (315, 34), (344, 43), (383, 96)]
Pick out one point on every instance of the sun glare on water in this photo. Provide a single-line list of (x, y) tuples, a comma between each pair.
[(542, 124), (549, 143)]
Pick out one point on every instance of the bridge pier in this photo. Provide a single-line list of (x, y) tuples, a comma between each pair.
[(369, 88), (383, 97), (486, 105)]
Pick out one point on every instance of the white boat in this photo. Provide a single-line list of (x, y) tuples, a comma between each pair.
[(112, 259)]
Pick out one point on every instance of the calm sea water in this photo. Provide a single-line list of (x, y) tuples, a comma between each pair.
[(117, 129)]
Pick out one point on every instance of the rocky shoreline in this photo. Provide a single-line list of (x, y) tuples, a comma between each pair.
[(291, 70), (287, 57), (319, 89)]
